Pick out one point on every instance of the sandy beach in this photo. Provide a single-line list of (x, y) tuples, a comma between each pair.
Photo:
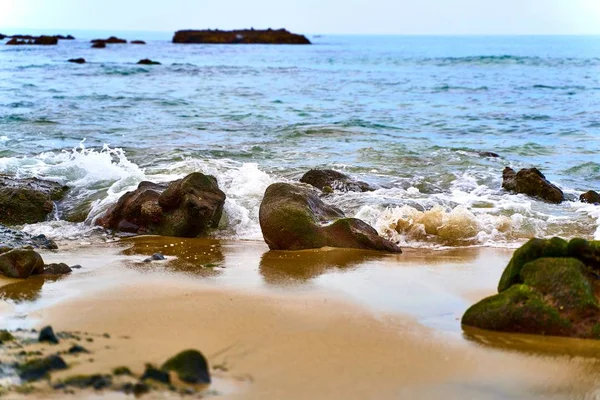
[(328, 323)]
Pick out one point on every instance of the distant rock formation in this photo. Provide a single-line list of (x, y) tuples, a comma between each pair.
[(246, 36), (99, 45), (137, 42), (147, 61), (110, 40), (77, 60), (39, 40)]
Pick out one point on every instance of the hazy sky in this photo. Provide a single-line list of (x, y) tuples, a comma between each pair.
[(311, 16)]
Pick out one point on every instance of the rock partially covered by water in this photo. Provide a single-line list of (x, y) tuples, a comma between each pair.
[(57, 269), (26, 201), (190, 366), (21, 263), (147, 61), (137, 42), (294, 218), (99, 45), (187, 208), (548, 288), (323, 178), (76, 60), (591, 197), (110, 40), (245, 36), (14, 239), (37, 40), (532, 183)]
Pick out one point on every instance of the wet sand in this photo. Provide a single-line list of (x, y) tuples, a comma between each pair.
[(315, 324)]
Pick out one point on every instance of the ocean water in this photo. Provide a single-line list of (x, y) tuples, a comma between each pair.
[(407, 114)]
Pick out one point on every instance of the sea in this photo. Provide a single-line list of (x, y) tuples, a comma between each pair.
[(414, 116)]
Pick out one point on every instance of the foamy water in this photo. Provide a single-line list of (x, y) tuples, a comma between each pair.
[(411, 116)]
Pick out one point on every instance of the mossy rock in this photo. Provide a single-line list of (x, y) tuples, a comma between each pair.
[(530, 251), (37, 369), (564, 280), (190, 366), (6, 336), (588, 251), (519, 309)]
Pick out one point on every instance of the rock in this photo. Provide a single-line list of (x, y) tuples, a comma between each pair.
[(520, 309), (294, 218), (147, 61), (57, 269), (110, 40), (137, 42), (15, 42), (532, 250), (328, 178), (118, 371), (186, 208), (155, 257), (2, 37), (21, 263), (26, 201), (11, 238), (76, 266), (39, 368), (548, 288), (489, 154), (532, 183), (77, 349), (591, 197), (99, 45), (5, 336), (190, 366), (155, 375), (68, 37), (246, 36), (77, 60), (95, 381), (46, 40), (47, 335)]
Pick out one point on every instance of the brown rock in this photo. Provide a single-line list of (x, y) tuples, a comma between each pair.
[(245, 36), (532, 183), (99, 45), (322, 178), (20, 263), (110, 40), (591, 197)]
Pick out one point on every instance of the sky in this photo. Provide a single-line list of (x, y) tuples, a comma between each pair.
[(454, 17)]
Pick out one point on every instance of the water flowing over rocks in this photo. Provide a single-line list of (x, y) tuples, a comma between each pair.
[(549, 287), (294, 218), (328, 178), (26, 201), (591, 197), (12, 238), (532, 183), (245, 36), (187, 207)]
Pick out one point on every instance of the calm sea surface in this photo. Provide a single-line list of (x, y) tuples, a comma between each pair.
[(409, 114)]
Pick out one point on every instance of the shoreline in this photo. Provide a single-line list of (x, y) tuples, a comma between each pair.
[(354, 324)]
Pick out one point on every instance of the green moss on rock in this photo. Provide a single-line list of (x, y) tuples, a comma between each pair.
[(6, 336), (586, 251), (519, 309), (532, 250), (190, 366), (563, 279)]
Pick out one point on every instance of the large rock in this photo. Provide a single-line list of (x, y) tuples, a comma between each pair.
[(532, 183), (245, 36), (28, 39), (190, 366), (20, 263), (591, 197), (295, 218), (548, 288), (26, 201), (186, 208), (323, 178)]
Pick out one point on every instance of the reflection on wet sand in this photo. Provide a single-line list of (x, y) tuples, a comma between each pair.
[(202, 257), (535, 344), (285, 267), (27, 289)]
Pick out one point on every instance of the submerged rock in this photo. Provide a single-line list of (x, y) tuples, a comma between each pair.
[(294, 218), (37, 369), (591, 197), (11, 238), (77, 60), (190, 366), (187, 208), (21, 263), (110, 40), (532, 183), (548, 288), (327, 179), (27, 201), (147, 61), (245, 36)]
